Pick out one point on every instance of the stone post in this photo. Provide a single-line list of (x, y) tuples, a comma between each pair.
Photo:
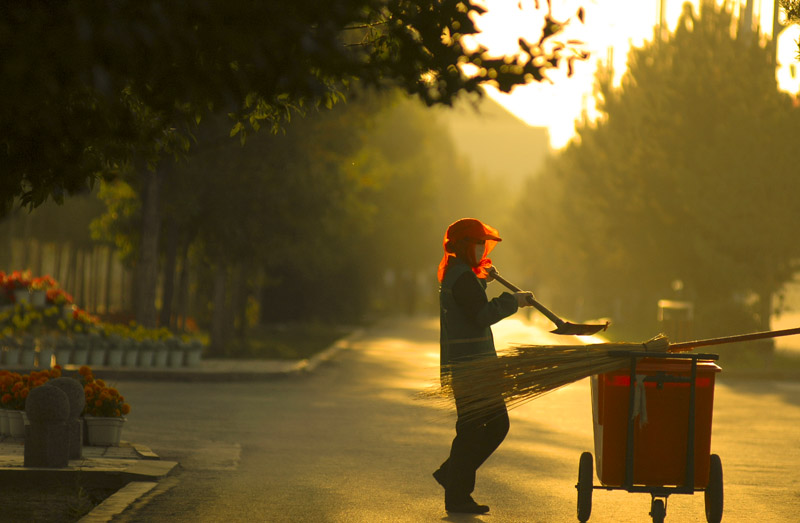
[(77, 401), (46, 438)]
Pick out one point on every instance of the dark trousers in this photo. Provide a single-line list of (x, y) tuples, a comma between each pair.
[(476, 439)]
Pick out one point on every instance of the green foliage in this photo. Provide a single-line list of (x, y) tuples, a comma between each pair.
[(118, 225), (688, 175), (285, 342), (92, 88)]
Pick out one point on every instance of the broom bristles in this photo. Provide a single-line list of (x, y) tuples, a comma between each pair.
[(522, 373)]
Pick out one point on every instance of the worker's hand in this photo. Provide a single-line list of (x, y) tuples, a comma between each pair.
[(491, 271), (523, 298)]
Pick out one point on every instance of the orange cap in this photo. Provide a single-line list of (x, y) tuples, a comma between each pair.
[(459, 241)]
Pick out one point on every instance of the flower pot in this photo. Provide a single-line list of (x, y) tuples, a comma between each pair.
[(38, 298), (115, 357), (45, 358), (11, 356), (97, 357), (4, 428), (80, 356), (131, 357), (175, 358), (27, 358), (160, 358), (193, 357), (146, 357), (63, 356), (66, 312), (103, 432), (16, 423), (22, 295)]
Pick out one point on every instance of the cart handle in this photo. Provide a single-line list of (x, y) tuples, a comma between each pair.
[(688, 345)]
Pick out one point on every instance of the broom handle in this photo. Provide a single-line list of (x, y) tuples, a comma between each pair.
[(544, 310), (687, 345)]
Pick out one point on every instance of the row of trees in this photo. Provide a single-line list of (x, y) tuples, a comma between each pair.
[(339, 216), (684, 188), (111, 90)]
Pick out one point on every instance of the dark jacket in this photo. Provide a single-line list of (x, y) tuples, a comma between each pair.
[(466, 315)]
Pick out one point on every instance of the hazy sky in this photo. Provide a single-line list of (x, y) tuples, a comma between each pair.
[(609, 24)]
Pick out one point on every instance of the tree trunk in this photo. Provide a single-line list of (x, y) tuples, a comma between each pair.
[(217, 345), (147, 264), (57, 272), (80, 267), (240, 302), (96, 281), (183, 289), (109, 278), (37, 247), (26, 244), (69, 271), (170, 260)]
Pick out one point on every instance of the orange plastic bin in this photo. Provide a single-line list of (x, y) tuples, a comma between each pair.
[(660, 443)]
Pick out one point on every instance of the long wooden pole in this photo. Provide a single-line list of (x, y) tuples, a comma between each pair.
[(688, 345)]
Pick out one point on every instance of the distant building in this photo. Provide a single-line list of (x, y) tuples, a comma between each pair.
[(495, 141)]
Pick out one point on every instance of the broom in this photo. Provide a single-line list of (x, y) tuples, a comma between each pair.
[(525, 372)]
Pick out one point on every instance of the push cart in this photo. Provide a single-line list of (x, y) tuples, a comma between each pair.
[(652, 432)]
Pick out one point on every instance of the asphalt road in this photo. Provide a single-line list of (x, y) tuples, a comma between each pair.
[(352, 443)]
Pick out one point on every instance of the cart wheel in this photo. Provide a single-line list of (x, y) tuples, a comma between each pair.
[(585, 486), (713, 495), (658, 511)]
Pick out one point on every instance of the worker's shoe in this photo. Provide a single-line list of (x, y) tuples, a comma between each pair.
[(469, 506)]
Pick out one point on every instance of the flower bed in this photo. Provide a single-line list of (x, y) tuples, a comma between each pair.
[(102, 401), (56, 325)]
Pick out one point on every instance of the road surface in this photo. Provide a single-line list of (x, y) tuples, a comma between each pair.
[(353, 443)]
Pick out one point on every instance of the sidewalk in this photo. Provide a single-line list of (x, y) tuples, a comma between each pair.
[(132, 469)]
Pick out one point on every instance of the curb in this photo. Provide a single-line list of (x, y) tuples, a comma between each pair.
[(311, 364), (118, 502), (281, 369)]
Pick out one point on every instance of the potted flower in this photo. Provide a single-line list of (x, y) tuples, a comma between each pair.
[(115, 351), (194, 353), (7, 380), (17, 284), (176, 350), (62, 299), (38, 290), (80, 354), (146, 349), (47, 349), (160, 353), (130, 352), (11, 350), (6, 300), (15, 388), (63, 345), (105, 410), (14, 392), (27, 357), (98, 348)]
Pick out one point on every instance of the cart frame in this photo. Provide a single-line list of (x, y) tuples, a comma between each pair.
[(659, 494)]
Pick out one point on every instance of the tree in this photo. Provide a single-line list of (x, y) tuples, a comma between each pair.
[(791, 9), (90, 87), (687, 177)]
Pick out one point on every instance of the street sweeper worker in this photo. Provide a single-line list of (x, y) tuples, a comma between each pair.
[(466, 316)]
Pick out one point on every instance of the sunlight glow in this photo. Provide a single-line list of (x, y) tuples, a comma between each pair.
[(611, 28)]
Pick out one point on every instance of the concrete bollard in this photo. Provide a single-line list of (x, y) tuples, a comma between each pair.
[(77, 401), (47, 436)]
